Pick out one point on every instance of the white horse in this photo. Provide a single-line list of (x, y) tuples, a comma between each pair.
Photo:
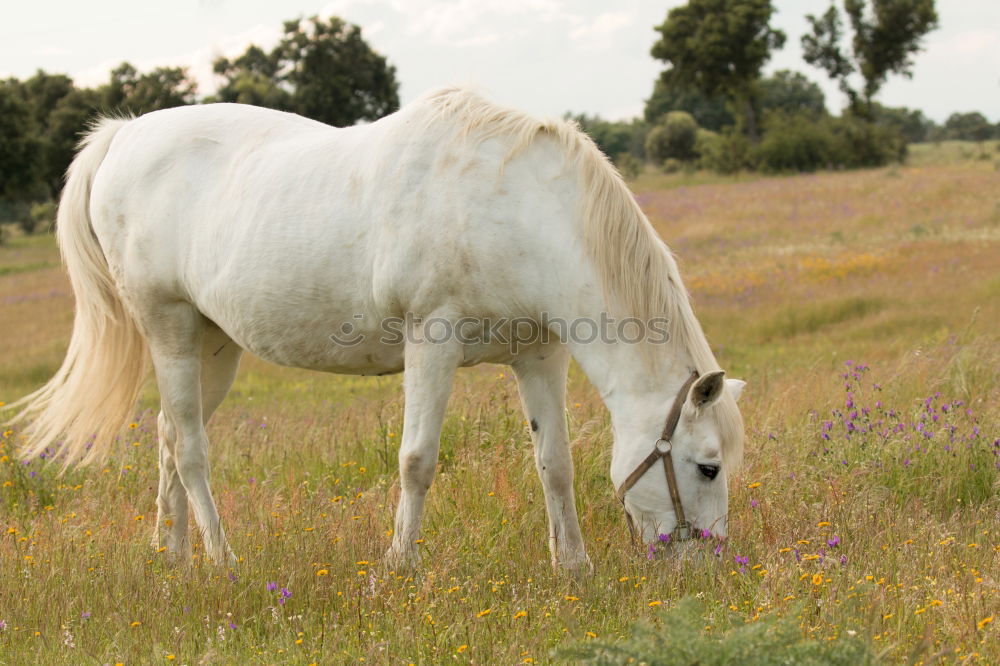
[(195, 233)]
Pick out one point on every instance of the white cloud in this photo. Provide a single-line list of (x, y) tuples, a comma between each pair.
[(598, 34), (50, 50), (198, 62)]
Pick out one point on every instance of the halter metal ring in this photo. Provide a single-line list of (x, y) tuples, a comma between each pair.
[(663, 446)]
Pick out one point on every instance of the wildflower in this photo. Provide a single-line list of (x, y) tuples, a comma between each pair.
[(135, 624), (985, 621), (322, 572), (834, 542), (755, 484), (484, 613), (570, 598), (462, 648), (817, 579), (823, 523), (706, 533), (520, 614), (654, 604), (85, 615), (743, 561), (271, 587), (753, 504), (285, 595), (232, 625), (591, 634), (170, 657)]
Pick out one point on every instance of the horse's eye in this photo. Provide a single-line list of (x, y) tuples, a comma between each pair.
[(709, 471)]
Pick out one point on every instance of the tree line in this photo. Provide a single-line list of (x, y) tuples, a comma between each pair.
[(321, 69), (710, 108)]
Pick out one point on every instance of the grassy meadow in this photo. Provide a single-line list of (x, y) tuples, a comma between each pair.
[(863, 310)]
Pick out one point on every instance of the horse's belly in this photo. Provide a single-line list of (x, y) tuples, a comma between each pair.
[(316, 350)]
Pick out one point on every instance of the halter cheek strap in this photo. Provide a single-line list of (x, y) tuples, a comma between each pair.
[(661, 451)]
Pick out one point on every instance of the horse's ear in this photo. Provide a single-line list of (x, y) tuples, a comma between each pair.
[(707, 389), (735, 387)]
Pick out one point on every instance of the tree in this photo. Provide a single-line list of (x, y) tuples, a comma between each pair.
[(163, 88), (709, 112), (614, 138), (791, 93), (321, 69), (886, 36), (912, 124), (252, 79), (18, 145), (968, 127), (718, 47)]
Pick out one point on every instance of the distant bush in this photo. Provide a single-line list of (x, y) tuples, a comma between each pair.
[(671, 165), (796, 143), (41, 218), (629, 166), (727, 152), (864, 144), (674, 137), (680, 640)]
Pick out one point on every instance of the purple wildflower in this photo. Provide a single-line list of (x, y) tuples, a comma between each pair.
[(743, 561), (85, 615), (706, 533), (285, 595), (834, 542), (665, 538), (271, 587), (753, 504), (232, 625), (718, 549)]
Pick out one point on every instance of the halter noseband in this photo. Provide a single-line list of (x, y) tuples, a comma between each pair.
[(661, 451)]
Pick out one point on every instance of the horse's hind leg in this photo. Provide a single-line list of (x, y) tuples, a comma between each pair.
[(541, 381), (176, 334), (220, 358)]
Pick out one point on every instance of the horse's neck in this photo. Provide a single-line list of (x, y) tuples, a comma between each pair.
[(637, 383)]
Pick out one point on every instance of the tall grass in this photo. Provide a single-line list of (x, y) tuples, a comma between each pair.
[(866, 513)]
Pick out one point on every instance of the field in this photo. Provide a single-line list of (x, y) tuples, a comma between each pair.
[(861, 307)]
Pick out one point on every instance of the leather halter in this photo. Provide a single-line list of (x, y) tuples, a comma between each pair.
[(661, 451)]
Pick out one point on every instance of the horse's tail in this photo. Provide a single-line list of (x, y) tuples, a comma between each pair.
[(92, 395)]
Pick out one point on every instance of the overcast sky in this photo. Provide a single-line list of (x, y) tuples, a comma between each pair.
[(545, 56)]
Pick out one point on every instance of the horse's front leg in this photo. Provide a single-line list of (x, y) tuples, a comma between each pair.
[(171, 500), (541, 381), (429, 370)]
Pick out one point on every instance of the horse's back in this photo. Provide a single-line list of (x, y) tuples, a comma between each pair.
[(265, 220)]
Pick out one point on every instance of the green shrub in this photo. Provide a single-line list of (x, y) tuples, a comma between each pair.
[(860, 143), (796, 143), (42, 218), (727, 152), (629, 166), (680, 640), (671, 165), (674, 137)]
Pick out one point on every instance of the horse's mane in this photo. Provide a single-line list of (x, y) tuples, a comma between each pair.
[(637, 271)]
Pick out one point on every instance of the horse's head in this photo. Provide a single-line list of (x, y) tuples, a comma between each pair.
[(688, 453)]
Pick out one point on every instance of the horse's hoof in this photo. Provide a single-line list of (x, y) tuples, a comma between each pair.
[(577, 567), (401, 561)]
